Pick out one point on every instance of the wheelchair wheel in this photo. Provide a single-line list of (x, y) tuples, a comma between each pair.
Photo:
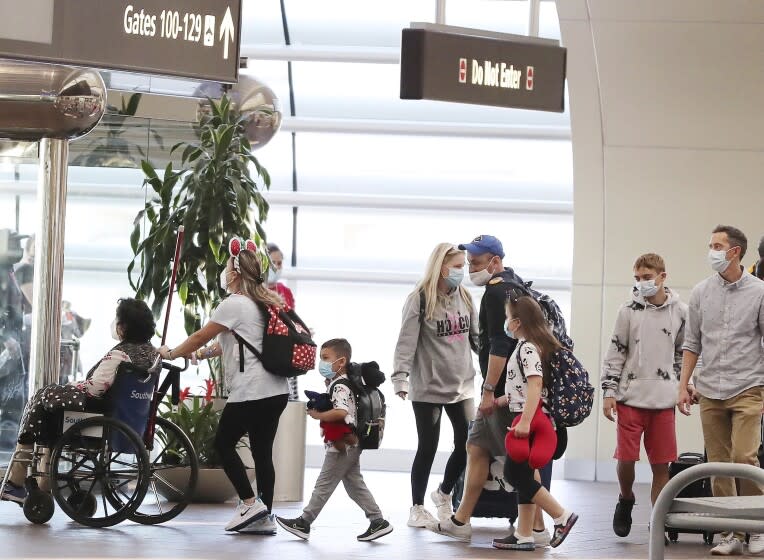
[(174, 469), (38, 506), (86, 461)]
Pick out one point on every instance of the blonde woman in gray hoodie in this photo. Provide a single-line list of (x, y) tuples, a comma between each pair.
[(640, 379), (434, 370)]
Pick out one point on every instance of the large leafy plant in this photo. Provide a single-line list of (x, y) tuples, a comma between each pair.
[(215, 196), (198, 419)]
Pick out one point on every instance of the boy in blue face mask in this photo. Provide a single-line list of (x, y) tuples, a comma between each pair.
[(339, 466), (640, 378)]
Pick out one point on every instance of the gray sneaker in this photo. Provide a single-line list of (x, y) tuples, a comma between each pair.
[(511, 543)]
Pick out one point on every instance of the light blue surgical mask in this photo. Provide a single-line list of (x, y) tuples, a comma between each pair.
[(325, 369), (508, 332), (454, 278), (718, 260), (647, 288), (274, 275)]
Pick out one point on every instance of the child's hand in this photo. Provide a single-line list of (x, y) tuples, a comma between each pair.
[(609, 408), (521, 430), (313, 413)]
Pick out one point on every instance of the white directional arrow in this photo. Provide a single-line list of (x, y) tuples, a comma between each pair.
[(227, 31)]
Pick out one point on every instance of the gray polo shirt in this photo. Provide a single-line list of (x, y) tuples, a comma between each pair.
[(725, 325)]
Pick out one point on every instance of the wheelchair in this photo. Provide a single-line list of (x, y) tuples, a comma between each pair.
[(115, 460)]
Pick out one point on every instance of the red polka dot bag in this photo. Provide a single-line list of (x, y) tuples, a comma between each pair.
[(288, 349)]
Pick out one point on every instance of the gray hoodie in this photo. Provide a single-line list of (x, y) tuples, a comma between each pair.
[(433, 359), (644, 359)]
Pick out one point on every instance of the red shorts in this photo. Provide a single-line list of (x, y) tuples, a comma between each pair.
[(660, 434)]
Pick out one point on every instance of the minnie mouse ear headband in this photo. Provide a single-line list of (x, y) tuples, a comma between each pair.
[(236, 245)]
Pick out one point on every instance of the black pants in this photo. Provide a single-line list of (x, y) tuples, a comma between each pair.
[(428, 417), (260, 419)]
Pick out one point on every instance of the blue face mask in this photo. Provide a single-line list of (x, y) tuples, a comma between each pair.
[(509, 333), (325, 369), (454, 278)]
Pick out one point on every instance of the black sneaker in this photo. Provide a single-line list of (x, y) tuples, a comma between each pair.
[(561, 531), (622, 517), (377, 528), (510, 543), (298, 527)]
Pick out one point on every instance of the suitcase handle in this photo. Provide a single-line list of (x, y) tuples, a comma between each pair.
[(701, 457)]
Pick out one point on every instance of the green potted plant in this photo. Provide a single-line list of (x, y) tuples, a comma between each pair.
[(198, 417), (214, 195)]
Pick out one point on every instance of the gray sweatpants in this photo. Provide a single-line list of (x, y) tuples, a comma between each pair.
[(345, 467)]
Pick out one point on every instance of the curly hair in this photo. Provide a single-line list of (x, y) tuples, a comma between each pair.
[(136, 320)]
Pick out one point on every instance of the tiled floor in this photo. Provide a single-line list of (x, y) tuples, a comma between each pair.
[(198, 533)]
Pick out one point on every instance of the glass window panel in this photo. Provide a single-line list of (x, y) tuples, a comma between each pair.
[(401, 240), (437, 166), (372, 91), (354, 22), (261, 22), (505, 17)]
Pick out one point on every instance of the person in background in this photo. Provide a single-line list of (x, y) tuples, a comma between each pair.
[(757, 268), (275, 284), (433, 368), (640, 378), (725, 326), (339, 466)]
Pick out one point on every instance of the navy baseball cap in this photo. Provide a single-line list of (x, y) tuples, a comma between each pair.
[(484, 244)]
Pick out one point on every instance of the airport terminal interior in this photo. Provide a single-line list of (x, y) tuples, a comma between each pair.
[(580, 133)]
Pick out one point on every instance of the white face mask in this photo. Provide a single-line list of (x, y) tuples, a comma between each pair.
[(718, 260), (114, 333), (647, 288), (481, 277), (274, 275)]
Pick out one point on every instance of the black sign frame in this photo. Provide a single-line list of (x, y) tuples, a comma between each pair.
[(493, 69), (178, 38)]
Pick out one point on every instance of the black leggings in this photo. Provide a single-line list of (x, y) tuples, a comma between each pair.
[(428, 417), (260, 419), (520, 475)]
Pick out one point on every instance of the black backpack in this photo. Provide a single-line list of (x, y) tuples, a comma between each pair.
[(364, 381), (288, 349), (551, 310)]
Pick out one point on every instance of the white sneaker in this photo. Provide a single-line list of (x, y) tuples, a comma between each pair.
[(756, 543), (246, 514), (729, 546), (263, 526), (442, 503), (542, 538), (448, 528), (419, 517)]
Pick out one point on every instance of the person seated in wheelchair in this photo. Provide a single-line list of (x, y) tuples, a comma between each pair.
[(133, 327)]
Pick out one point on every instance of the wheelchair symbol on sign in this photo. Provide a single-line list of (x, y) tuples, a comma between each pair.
[(209, 31)]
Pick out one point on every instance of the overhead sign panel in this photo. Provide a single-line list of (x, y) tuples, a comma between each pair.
[(196, 39), (482, 68)]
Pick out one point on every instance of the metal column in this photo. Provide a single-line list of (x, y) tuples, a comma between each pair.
[(49, 263)]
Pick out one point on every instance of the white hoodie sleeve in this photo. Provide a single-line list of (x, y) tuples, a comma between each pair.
[(408, 339), (615, 357)]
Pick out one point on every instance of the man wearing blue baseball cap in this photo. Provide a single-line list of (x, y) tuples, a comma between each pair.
[(485, 255)]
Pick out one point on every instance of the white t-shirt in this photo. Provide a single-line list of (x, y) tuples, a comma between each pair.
[(239, 313), (342, 398), (516, 387)]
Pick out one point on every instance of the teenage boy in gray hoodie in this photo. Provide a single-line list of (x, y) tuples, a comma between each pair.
[(640, 379)]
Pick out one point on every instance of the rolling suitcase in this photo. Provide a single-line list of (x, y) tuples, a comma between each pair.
[(497, 499), (698, 489)]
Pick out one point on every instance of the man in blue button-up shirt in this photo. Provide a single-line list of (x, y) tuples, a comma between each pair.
[(725, 325)]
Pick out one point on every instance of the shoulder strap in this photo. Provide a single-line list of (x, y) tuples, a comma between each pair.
[(242, 344), (422, 305)]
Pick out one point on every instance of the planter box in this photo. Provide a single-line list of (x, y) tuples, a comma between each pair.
[(213, 485)]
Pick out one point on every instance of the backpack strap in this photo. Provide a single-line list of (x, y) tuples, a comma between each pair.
[(242, 344), (422, 305), (520, 362)]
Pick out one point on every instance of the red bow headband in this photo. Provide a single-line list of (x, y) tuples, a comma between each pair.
[(236, 246)]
